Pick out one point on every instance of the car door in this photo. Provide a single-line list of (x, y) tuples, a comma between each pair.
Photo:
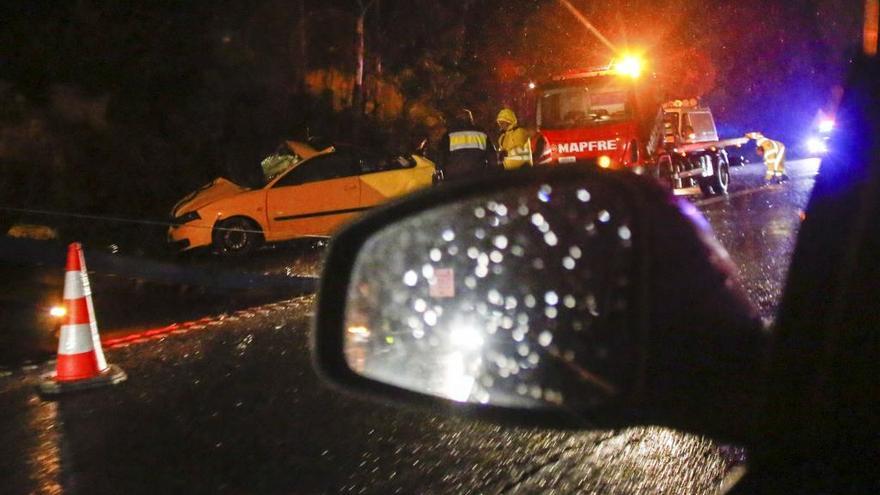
[(314, 198)]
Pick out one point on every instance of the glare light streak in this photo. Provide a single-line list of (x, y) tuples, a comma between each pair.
[(58, 311), (587, 24)]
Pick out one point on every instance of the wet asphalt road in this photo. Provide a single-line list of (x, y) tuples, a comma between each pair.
[(233, 406)]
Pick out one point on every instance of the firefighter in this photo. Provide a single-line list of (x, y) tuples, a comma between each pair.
[(513, 143), (465, 150), (773, 153)]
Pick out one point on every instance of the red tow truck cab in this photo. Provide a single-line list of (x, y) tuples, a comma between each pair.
[(596, 116)]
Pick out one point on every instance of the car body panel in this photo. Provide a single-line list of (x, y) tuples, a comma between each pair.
[(377, 187), (311, 209)]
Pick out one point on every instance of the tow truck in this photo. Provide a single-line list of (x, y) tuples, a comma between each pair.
[(610, 117)]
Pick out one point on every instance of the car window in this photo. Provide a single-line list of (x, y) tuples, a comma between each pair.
[(325, 167), (372, 163)]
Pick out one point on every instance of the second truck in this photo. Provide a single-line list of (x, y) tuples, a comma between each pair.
[(612, 117)]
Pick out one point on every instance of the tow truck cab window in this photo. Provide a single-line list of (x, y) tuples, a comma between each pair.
[(323, 167), (671, 121), (584, 104), (702, 125)]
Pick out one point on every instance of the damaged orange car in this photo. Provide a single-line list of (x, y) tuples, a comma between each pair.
[(311, 198)]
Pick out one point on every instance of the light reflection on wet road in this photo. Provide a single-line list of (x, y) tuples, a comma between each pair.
[(236, 408)]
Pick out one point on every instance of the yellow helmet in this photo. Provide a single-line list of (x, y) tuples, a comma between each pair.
[(506, 115)]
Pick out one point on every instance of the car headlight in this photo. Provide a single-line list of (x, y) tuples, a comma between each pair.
[(187, 217)]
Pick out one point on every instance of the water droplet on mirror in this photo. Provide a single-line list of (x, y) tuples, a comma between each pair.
[(435, 255), (500, 242), (420, 305), (538, 220), (550, 239), (523, 350), (550, 312), (481, 271), (535, 392), (604, 216), (496, 257), (544, 193), (575, 252), (430, 318), (479, 212), (470, 282), (583, 195), (569, 301), (568, 263), (418, 333), (501, 211), (517, 250), (480, 234), (551, 298), (530, 301), (427, 271), (545, 338), (453, 250), (534, 358), (410, 278), (448, 235), (495, 297), (473, 252), (624, 233), (523, 210)]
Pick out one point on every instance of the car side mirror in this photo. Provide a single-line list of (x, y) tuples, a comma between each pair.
[(544, 296)]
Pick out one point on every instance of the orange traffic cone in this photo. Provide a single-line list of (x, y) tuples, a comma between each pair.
[(81, 362)]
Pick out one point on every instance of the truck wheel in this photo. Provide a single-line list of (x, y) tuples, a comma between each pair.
[(721, 179), (236, 236)]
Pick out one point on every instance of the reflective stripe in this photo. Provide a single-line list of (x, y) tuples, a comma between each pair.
[(74, 288), (467, 140), (75, 339)]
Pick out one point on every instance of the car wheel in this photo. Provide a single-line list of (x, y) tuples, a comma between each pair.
[(236, 236)]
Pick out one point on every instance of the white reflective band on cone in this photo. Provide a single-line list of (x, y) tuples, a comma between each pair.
[(75, 339), (74, 286)]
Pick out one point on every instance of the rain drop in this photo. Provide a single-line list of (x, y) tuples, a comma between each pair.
[(545, 338), (435, 255)]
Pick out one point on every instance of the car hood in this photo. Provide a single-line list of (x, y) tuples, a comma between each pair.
[(215, 190)]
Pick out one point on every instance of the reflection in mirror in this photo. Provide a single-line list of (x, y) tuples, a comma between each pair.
[(516, 299)]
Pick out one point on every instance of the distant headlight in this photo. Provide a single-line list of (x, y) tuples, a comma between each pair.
[(187, 217), (817, 146)]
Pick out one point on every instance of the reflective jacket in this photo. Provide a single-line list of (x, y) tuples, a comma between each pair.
[(514, 144), (466, 151), (774, 151)]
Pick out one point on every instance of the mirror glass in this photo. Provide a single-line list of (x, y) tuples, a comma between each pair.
[(519, 298)]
